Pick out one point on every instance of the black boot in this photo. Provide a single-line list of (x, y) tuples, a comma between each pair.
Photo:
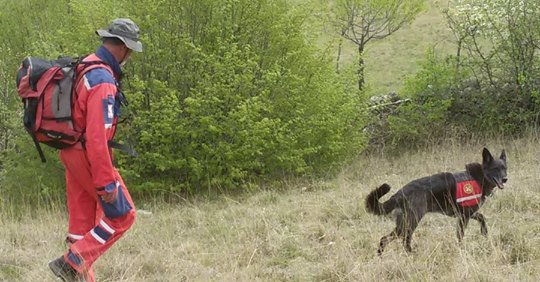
[(64, 271)]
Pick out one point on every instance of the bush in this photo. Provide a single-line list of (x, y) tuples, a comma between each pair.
[(449, 102), (425, 118), (26, 181), (241, 122), (502, 110)]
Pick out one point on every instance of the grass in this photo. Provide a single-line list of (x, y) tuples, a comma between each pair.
[(313, 232)]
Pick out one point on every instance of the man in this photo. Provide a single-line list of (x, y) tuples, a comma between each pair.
[(99, 205)]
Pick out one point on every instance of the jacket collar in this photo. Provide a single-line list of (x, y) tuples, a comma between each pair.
[(107, 57)]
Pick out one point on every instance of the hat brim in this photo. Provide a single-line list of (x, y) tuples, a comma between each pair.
[(131, 44)]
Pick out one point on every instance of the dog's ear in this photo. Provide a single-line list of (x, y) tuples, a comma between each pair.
[(486, 156), (503, 156)]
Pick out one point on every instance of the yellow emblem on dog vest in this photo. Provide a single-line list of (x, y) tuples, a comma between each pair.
[(468, 192), (468, 188)]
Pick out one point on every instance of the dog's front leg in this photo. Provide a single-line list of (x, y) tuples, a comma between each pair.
[(480, 218), (463, 221)]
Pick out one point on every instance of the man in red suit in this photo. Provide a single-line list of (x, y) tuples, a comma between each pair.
[(100, 207)]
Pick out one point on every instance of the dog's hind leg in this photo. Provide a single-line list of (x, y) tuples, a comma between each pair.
[(480, 218), (413, 215), (385, 240), (397, 232), (411, 224), (408, 238), (463, 221)]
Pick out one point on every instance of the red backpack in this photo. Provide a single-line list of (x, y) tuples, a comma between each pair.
[(48, 94)]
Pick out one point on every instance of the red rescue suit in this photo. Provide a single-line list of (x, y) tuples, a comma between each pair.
[(94, 225)]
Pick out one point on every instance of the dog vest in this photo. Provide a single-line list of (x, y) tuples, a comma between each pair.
[(468, 191)]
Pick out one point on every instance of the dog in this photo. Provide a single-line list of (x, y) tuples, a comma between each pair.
[(454, 194)]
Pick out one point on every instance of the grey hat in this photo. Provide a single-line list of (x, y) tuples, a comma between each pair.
[(125, 30)]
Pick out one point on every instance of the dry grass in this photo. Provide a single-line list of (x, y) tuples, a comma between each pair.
[(315, 232)]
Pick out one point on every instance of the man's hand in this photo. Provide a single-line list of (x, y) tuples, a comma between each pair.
[(108, 193), (110, 197)]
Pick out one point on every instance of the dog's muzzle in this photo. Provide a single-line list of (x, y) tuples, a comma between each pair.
[(500, 183)]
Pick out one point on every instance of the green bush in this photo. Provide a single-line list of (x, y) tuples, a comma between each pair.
[(450, 102), (241, 120), (424, 119), (502, 110), (26, 180), (498, 43)]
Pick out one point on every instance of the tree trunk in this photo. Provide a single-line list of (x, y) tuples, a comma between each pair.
[(458, 54), (339, 54), (340, 45), (361, 66)]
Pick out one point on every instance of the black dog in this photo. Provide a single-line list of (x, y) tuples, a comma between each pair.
[(459, 195)]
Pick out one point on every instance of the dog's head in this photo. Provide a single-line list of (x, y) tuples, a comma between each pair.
[(494, 169)]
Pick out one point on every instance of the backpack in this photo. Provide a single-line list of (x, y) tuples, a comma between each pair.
[(48, 94)]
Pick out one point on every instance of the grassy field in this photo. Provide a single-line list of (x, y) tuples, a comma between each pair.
[(313, 232)]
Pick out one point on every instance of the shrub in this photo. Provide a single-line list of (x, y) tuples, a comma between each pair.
[(425, 118)]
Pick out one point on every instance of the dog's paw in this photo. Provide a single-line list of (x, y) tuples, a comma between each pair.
[(484, 231)]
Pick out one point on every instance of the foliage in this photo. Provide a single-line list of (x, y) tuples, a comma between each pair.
[(500, 37), (226, 93), (498, 44), (250, 102), (426, 117), (490, 86), (7, 120), (27, 181)]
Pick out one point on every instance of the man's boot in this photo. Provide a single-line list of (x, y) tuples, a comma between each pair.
[(64, 271)]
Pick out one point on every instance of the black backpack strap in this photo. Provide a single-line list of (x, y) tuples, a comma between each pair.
[(38, 148), (123, 148), (115, 145)]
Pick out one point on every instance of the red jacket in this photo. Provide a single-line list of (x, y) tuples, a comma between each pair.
[(96, 114)]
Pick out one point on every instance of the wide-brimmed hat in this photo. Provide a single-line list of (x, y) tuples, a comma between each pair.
[(125, 30)]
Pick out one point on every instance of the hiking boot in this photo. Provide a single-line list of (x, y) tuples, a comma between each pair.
[(64, 271)]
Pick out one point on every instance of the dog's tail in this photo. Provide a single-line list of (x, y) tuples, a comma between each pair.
[(374, 206)]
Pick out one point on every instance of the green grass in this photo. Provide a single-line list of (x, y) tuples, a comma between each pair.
[(317, 231)]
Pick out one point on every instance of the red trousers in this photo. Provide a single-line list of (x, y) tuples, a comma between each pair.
[(94, 226)]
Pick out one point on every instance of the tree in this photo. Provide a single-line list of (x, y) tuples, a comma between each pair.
[(361, 21), (498, 55), (500, 39)]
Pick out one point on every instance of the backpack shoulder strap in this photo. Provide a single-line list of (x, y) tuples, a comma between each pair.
[(83, 67)]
